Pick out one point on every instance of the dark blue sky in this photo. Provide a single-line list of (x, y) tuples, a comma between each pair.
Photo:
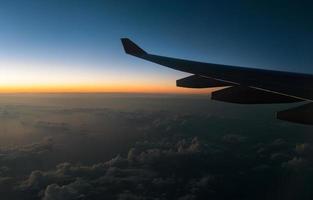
[(84, 35)]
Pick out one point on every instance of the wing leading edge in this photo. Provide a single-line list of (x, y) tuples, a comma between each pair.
[(247, 85)]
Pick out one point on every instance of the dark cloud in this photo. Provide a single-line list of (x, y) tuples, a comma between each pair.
[(280, 157), (143, 155), (72, 191), (21, 159), (134, 173)]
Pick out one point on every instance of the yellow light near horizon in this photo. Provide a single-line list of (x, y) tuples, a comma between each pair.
[(100, 89), (34, 77)]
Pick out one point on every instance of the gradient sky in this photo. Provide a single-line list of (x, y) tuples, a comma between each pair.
[(74, 46)]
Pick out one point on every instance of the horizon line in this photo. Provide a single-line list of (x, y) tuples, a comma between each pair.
[(101, 92)]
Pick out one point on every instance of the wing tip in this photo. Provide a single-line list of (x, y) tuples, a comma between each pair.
[(132, 48)]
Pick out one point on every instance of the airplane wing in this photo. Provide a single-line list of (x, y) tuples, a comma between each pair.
[(244, 85)]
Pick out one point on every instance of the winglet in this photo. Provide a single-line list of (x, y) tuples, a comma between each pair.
[(131, 48)]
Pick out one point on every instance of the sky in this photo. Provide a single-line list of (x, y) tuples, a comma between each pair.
[(74, 46)]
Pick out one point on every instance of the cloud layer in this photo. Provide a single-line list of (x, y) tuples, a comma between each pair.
[(110, 153)]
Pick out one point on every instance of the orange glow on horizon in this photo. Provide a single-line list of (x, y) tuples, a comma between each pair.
[(27, 76), (100, 89)]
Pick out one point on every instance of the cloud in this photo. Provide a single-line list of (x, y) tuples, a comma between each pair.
[(280, 157), (55, 192), (21, 159), (72, 191), (165, 159), (277, 148), (137, 173), (279, 143), (63, 173), (167, 167), (193, 147)]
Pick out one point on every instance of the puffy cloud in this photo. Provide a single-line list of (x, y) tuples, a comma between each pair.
[(167, 168), (55, 192), (118, 161), (63, 173), (144, 169), (166, 163), (194, 146), (72, 191), (277, 150), (78, 170), (280, 157), (22, 159), (31, 149), (37, 179)]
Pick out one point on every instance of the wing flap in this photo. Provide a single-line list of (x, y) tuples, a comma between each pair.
[(302, 114), (196, 81), (247, 95)]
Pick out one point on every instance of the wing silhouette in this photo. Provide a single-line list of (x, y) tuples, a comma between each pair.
[(244, 85)]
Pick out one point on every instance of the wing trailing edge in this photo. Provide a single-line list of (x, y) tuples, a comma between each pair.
[(302, 114), (248, 95)]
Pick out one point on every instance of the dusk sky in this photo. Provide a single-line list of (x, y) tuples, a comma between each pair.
[(74, 46), (81, 119)]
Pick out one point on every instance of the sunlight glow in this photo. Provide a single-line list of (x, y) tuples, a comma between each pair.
[(36, 77)]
